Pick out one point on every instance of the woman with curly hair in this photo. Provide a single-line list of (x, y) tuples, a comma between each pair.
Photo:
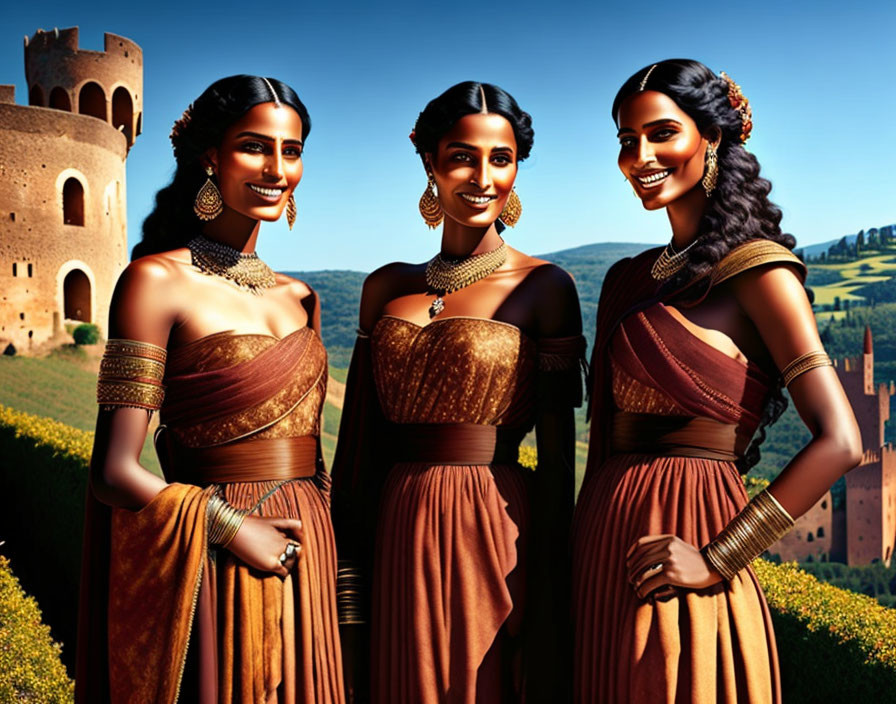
[(216, 583), (694, 342), (457, 359)]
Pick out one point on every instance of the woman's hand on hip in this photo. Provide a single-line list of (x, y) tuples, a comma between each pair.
[(662, 562)]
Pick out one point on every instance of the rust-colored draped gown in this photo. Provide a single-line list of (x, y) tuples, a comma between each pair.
[(671, 414), (242, 412), (449, 560)]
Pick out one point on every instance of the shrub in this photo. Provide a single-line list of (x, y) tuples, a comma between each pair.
[(86, 334), (30, 669)]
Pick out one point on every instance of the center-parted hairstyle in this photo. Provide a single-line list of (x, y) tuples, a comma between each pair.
[(739, 209), (172, 223), (441, 114)]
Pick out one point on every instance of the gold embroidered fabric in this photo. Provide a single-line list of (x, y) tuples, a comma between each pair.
[(631, 395), (293, 411), (752, 254), (454, 370), (131, 375)]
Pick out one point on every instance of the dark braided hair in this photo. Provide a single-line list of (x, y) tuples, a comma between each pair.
[(172, 223), (738, 209)]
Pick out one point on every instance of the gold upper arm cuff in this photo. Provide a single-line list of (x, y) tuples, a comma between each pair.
[(131, 374), (804, 363)]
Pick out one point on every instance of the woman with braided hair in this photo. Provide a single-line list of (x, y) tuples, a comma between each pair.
[(694, 341), (215, 584)]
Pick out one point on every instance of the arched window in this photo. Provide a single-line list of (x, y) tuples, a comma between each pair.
[(76, 292), (820, 532), (92, 100), (73, 202), (123, 113), (36, 96), (810, 538), (59, 99)]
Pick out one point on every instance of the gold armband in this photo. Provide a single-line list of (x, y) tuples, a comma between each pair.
[(348, 594), (760, 524), (223, 521), (804, 363), (131, 374)]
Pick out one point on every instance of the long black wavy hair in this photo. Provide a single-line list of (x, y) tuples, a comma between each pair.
[(172, 223), (738, 210), (443, 112)]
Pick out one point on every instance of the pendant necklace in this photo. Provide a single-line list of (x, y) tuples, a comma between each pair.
[(246, 270), (447, 274)]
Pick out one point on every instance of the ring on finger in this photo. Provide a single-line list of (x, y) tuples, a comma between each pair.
[(283, 558), (290, 550)]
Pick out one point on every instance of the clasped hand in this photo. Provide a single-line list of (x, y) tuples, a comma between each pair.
[(656, 564), (260, 542)]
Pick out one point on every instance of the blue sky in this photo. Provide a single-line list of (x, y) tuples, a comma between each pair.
[(819, 76)]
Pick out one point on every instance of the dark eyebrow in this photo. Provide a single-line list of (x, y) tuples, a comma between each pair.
[(653, 123), (267, 138), (464, 145)]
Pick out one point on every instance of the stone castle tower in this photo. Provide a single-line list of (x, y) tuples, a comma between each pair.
[(63, 222), (864, 530)]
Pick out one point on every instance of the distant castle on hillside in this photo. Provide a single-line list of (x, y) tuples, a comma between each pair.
[(63, 220), (864, 530)]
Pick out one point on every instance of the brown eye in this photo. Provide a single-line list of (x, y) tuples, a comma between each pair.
[(253, 147)]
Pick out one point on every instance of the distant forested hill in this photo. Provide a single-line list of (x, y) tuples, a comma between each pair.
[(340, 291)]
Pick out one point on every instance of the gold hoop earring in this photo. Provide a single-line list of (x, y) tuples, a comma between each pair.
[(711, 175), (430, 208), (291, 211), (513, 208), (208, 204)]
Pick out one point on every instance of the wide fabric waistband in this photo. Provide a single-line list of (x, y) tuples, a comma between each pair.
[(453, 443), (251, 460), (652, 434)]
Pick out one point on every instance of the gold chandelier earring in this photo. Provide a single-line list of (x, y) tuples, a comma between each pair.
[(513, 208), (711, 175), (430, 208), (208, 204), (291, 211)]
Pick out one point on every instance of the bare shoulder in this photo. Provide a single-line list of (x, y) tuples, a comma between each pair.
[(150, 274), (384, 284), (296, 288), (554, 293)]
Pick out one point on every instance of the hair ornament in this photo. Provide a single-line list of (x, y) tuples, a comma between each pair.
[(180, 125), (646, 76), (742, 105), (274, 95)]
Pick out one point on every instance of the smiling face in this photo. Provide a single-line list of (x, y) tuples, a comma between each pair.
[(259, 161), (661, 151), (474, 168)]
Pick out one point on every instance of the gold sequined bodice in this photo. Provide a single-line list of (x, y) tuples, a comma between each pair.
[(294, 410), (454, 370)]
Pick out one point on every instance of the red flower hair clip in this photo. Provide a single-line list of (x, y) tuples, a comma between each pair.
[(742, 105)]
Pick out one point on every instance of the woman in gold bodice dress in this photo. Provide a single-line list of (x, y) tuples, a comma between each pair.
[(463, 551), (690, 340), (216, 583)]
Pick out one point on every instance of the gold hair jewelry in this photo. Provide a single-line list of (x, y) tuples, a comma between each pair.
[(273, 92), (758, 526), (513, 208), (245, 270), (646, 76), (291, 211), (208, 204), (803, 363), (223, 521), (131, 374), (711, 175), (430, 208), (670, 262), (447, 275), (349, 587), (739, 102)]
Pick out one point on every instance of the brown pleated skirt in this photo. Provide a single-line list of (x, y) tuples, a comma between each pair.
[(259, 638), (699, 647), (448, 587)]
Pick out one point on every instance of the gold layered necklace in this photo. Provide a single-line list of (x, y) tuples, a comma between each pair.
[(447, 274), (245, 270), (670, 262)]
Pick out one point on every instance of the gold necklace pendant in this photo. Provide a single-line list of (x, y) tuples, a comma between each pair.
[(438, 305), (445, 275), (245, 270)]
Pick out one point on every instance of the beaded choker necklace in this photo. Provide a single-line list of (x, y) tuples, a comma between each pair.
[(669, 262), (446, 275), (245, 270)]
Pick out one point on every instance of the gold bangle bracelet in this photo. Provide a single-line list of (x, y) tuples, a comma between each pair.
[(760, 524), (804, 363)]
